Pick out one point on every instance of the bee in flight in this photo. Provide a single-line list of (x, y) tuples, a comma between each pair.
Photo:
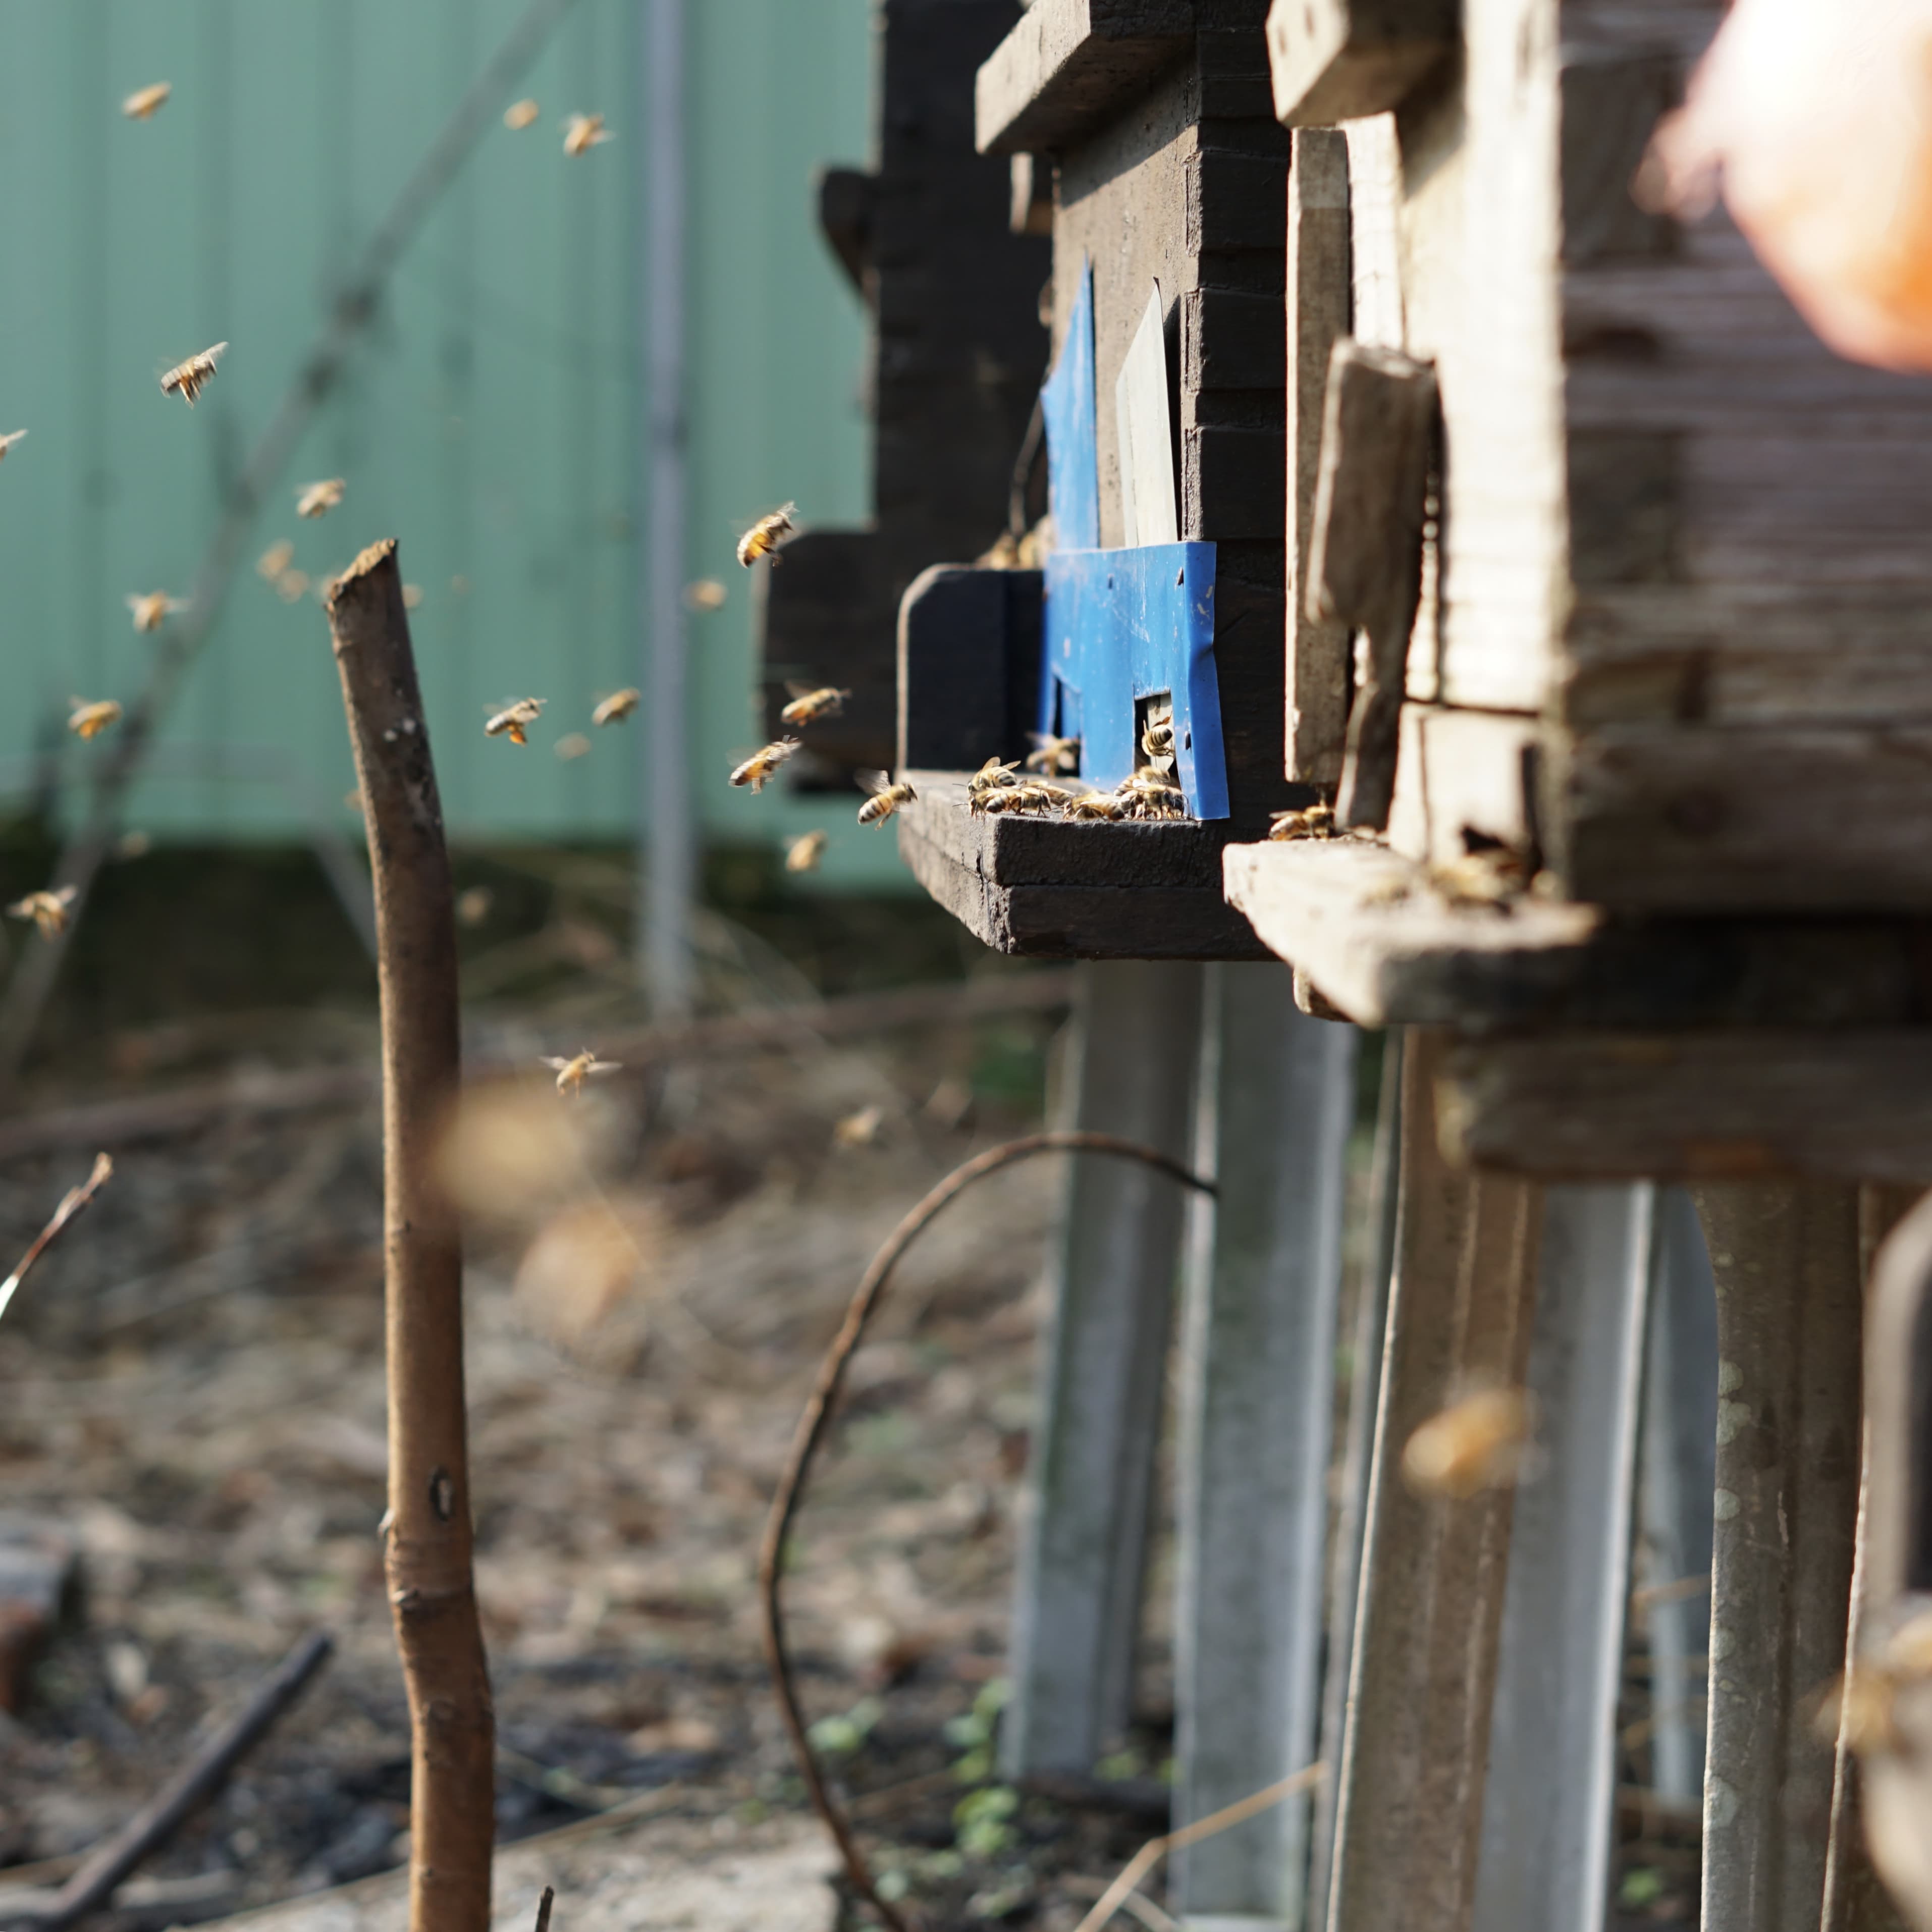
[(152, 608), (571, 1073), (619, 706), (188, 378), (804, 853), (88, 719), (48, 911), (274, 560), (705, 593), (757, 770), (144, 102), (1317, 821), (511, 722), (8, 441), (574, 745), (886, 799), (808, 705), (862, 1128), (1481, 1442), (1051, 755), (765, 536), (317, 499), (519, 115), (582, 132)]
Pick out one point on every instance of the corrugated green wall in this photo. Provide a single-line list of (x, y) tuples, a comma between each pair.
[(491, 417)]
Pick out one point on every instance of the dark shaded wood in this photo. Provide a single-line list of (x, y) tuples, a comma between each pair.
[(431, 1583), (969, 666), (1613, 99), (1338, 60)]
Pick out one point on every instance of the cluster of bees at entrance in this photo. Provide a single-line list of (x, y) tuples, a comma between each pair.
[(1149, 792)]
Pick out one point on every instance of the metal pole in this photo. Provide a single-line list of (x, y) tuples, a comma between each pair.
[(666, 843)]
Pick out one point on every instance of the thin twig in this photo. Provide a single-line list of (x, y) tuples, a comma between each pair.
[(544, 1905), (1151, 1853), (1136, 1904), (72, 1202), (811, 1433)]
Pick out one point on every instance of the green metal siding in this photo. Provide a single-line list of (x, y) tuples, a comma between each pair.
[(491, 418)]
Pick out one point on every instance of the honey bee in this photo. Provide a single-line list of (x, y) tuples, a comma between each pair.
[(706, 593), (274, 560), (152, 608), (804, 853), (292, 585), (511, 722), (1157, 735), (1026, 798), (519, 115), (1094, 805), (91, 717), (1316, 821), (132, 845), (808, 705), (48, 911), (765, 536), (317, 499), (189, 378), (991, 777), (1148, 795), (144, 103), (757, 770), (619, 706), (572, 745), (412, 596), (1051, 755), (886, 799), (571, 1073), (1478, 1443), (473, 904), (7, 442), (1490, 877), (582, 132), (862, 1128)]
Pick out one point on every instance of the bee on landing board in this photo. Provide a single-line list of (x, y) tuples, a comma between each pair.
[(91, 717), (766, 536), (188, 379), (511, 722), (1095, 805), (808, 705), (757, 770), (317, 499), (804, 853), (1052, 757), (619, 706), (48, 911), (991, 778), (582, 132), (571, 1073), (8, 441), (153, 608), (886, 799), (144, 102), (1317, 821)]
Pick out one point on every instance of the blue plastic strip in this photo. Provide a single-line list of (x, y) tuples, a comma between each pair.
[(1073, 449), (1121, 625)]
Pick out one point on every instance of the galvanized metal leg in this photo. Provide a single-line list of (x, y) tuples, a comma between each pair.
[(1423, 1669), (1789, 1320), (1257, 1377), (1549, 1801), (1084, 1545), (1678, 1475)]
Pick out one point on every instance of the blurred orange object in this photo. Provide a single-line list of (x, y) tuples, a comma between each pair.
[(1815, 122)]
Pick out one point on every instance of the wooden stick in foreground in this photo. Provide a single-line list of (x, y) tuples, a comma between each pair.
[(432, 1591), (72, 1202)]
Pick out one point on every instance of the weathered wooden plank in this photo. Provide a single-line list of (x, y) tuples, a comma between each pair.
[(1790, 1314), (1318, 314), (1854, 1104), (1459, 773), (1550, 1801), (1365, 550), (1231, 339), (1256, 1380), (1423, 1666), (1338, 60), (1077, 1604), (968, 666), (1068, 64)]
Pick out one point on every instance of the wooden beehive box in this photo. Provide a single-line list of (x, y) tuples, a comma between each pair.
[(1154, 120), (1674, 630)]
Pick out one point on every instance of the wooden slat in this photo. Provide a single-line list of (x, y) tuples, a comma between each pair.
[(1338, 60)]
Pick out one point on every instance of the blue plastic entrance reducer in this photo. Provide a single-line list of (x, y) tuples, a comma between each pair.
[(1120, 625)]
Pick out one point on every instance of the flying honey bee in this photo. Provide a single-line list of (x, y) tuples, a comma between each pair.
[(1315, 821), (519, 115), (412, 596), (90, 717), (705, 593), (317, 499), (511, 722), (8, 441), (1479, 1442), (144, 103), (292, 585), (765, 536), (274, 560), (1051, 755), (804, 853), (619, 706), (1094, 805), (189, 378), (757, 770), (582, 132), (808, 705), (862, 1128), (48, 911), (886, 799), (152, 608), (473, 904), (571, 1073), (572, 745)]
